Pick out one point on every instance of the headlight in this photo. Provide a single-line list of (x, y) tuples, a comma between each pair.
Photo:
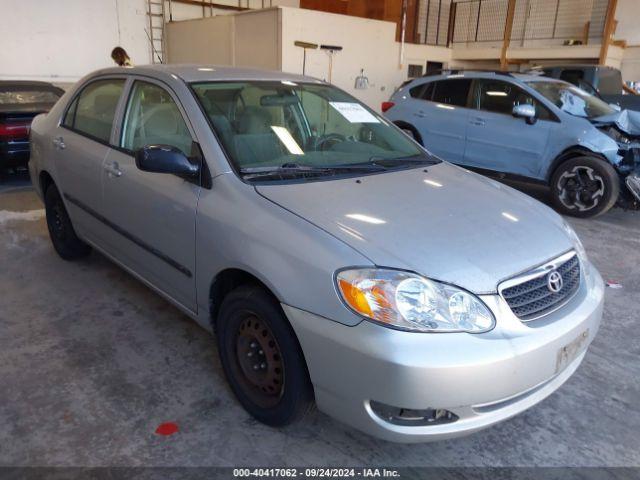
[(411, 302), (577, 243)]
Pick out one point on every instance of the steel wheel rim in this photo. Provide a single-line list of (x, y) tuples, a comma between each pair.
[(580, 188), (56, 223), (259, 361)]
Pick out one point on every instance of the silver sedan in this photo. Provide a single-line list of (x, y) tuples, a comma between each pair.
[(336, 260)]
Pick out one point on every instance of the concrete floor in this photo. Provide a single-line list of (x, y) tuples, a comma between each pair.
[(91, 362)]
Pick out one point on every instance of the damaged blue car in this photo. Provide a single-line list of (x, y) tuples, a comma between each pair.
[(527, 127)]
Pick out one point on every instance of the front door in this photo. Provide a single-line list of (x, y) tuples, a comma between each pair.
[(80, 146), (498, 141), (153, 214)]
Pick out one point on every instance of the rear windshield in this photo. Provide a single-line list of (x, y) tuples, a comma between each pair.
[(26, 96), (270, 124)]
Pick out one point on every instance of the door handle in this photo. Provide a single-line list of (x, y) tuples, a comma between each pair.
[(113, 169), (58, 142), (477, 121), (420, 114)]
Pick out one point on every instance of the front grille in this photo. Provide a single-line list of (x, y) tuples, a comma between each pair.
[(533, 298)]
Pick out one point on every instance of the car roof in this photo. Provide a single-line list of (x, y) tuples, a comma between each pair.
[(203, 73), (518, 77)]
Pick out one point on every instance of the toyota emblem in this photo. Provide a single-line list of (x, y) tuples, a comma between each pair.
[(554, 282)]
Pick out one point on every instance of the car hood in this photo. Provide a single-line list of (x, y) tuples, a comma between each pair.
[(627, 121), (446, 223)]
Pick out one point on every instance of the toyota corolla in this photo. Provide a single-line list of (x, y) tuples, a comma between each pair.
[(336, 260)]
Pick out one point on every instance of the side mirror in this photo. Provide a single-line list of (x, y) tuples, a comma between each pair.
[(166, 159), (526, 111)]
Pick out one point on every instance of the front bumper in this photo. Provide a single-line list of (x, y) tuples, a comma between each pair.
[(481, 378)]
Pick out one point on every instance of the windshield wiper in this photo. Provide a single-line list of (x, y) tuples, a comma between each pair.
[(401, 161), (296, 169)]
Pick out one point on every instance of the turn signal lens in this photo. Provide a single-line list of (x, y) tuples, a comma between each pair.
[(411, 302), (355, 298)]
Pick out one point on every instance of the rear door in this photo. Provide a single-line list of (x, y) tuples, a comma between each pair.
[(153, 215), (498, 141), (81, 143), (441, 117)]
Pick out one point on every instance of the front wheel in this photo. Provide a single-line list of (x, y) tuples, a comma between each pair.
[(261, 357), (585, 187)]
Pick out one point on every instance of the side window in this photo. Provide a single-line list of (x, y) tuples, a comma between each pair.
[(427, 93), (423, 91), (93, 110), (500, 97), (416, 92), (452, 92), (154, 118), (70, 116)]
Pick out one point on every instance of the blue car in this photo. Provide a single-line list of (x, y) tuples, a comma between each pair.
[(527, 127)]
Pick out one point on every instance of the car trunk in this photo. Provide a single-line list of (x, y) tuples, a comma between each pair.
[(15, 125)]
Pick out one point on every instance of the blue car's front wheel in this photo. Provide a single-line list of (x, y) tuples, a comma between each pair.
[(585, 187)]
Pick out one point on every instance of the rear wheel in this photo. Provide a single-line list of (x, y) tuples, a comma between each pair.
[(63, 236), (585, 187), (261, 357), (410, 131)]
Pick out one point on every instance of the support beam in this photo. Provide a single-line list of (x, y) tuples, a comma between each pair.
[(609, 29), (506, 40), (200, 3)]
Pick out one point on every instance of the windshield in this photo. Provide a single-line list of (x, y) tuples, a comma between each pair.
[(571, 99), (310, 128)]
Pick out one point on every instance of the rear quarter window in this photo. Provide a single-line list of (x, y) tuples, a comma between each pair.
[(422, 92)]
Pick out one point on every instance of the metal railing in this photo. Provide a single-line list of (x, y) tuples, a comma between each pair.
[(433, 24), (535, 22)]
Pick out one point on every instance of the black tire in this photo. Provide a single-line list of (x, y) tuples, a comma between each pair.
[(410, 131), (585, 187), (63, 236), (270, 378)]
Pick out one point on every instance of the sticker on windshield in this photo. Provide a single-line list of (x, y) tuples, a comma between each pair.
[(354, 112)]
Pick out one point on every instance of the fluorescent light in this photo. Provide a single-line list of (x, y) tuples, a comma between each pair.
[(496, 93), (508, 216), (206, 69), (287, 82), (365, 218), (432, 183), (447, 107), (288, 141)]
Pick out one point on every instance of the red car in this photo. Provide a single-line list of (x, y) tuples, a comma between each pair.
[(20, 101)]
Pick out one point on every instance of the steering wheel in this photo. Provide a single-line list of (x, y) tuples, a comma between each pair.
[(325, 142)]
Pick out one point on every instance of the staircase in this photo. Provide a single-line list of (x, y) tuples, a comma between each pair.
[(156, 14)]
